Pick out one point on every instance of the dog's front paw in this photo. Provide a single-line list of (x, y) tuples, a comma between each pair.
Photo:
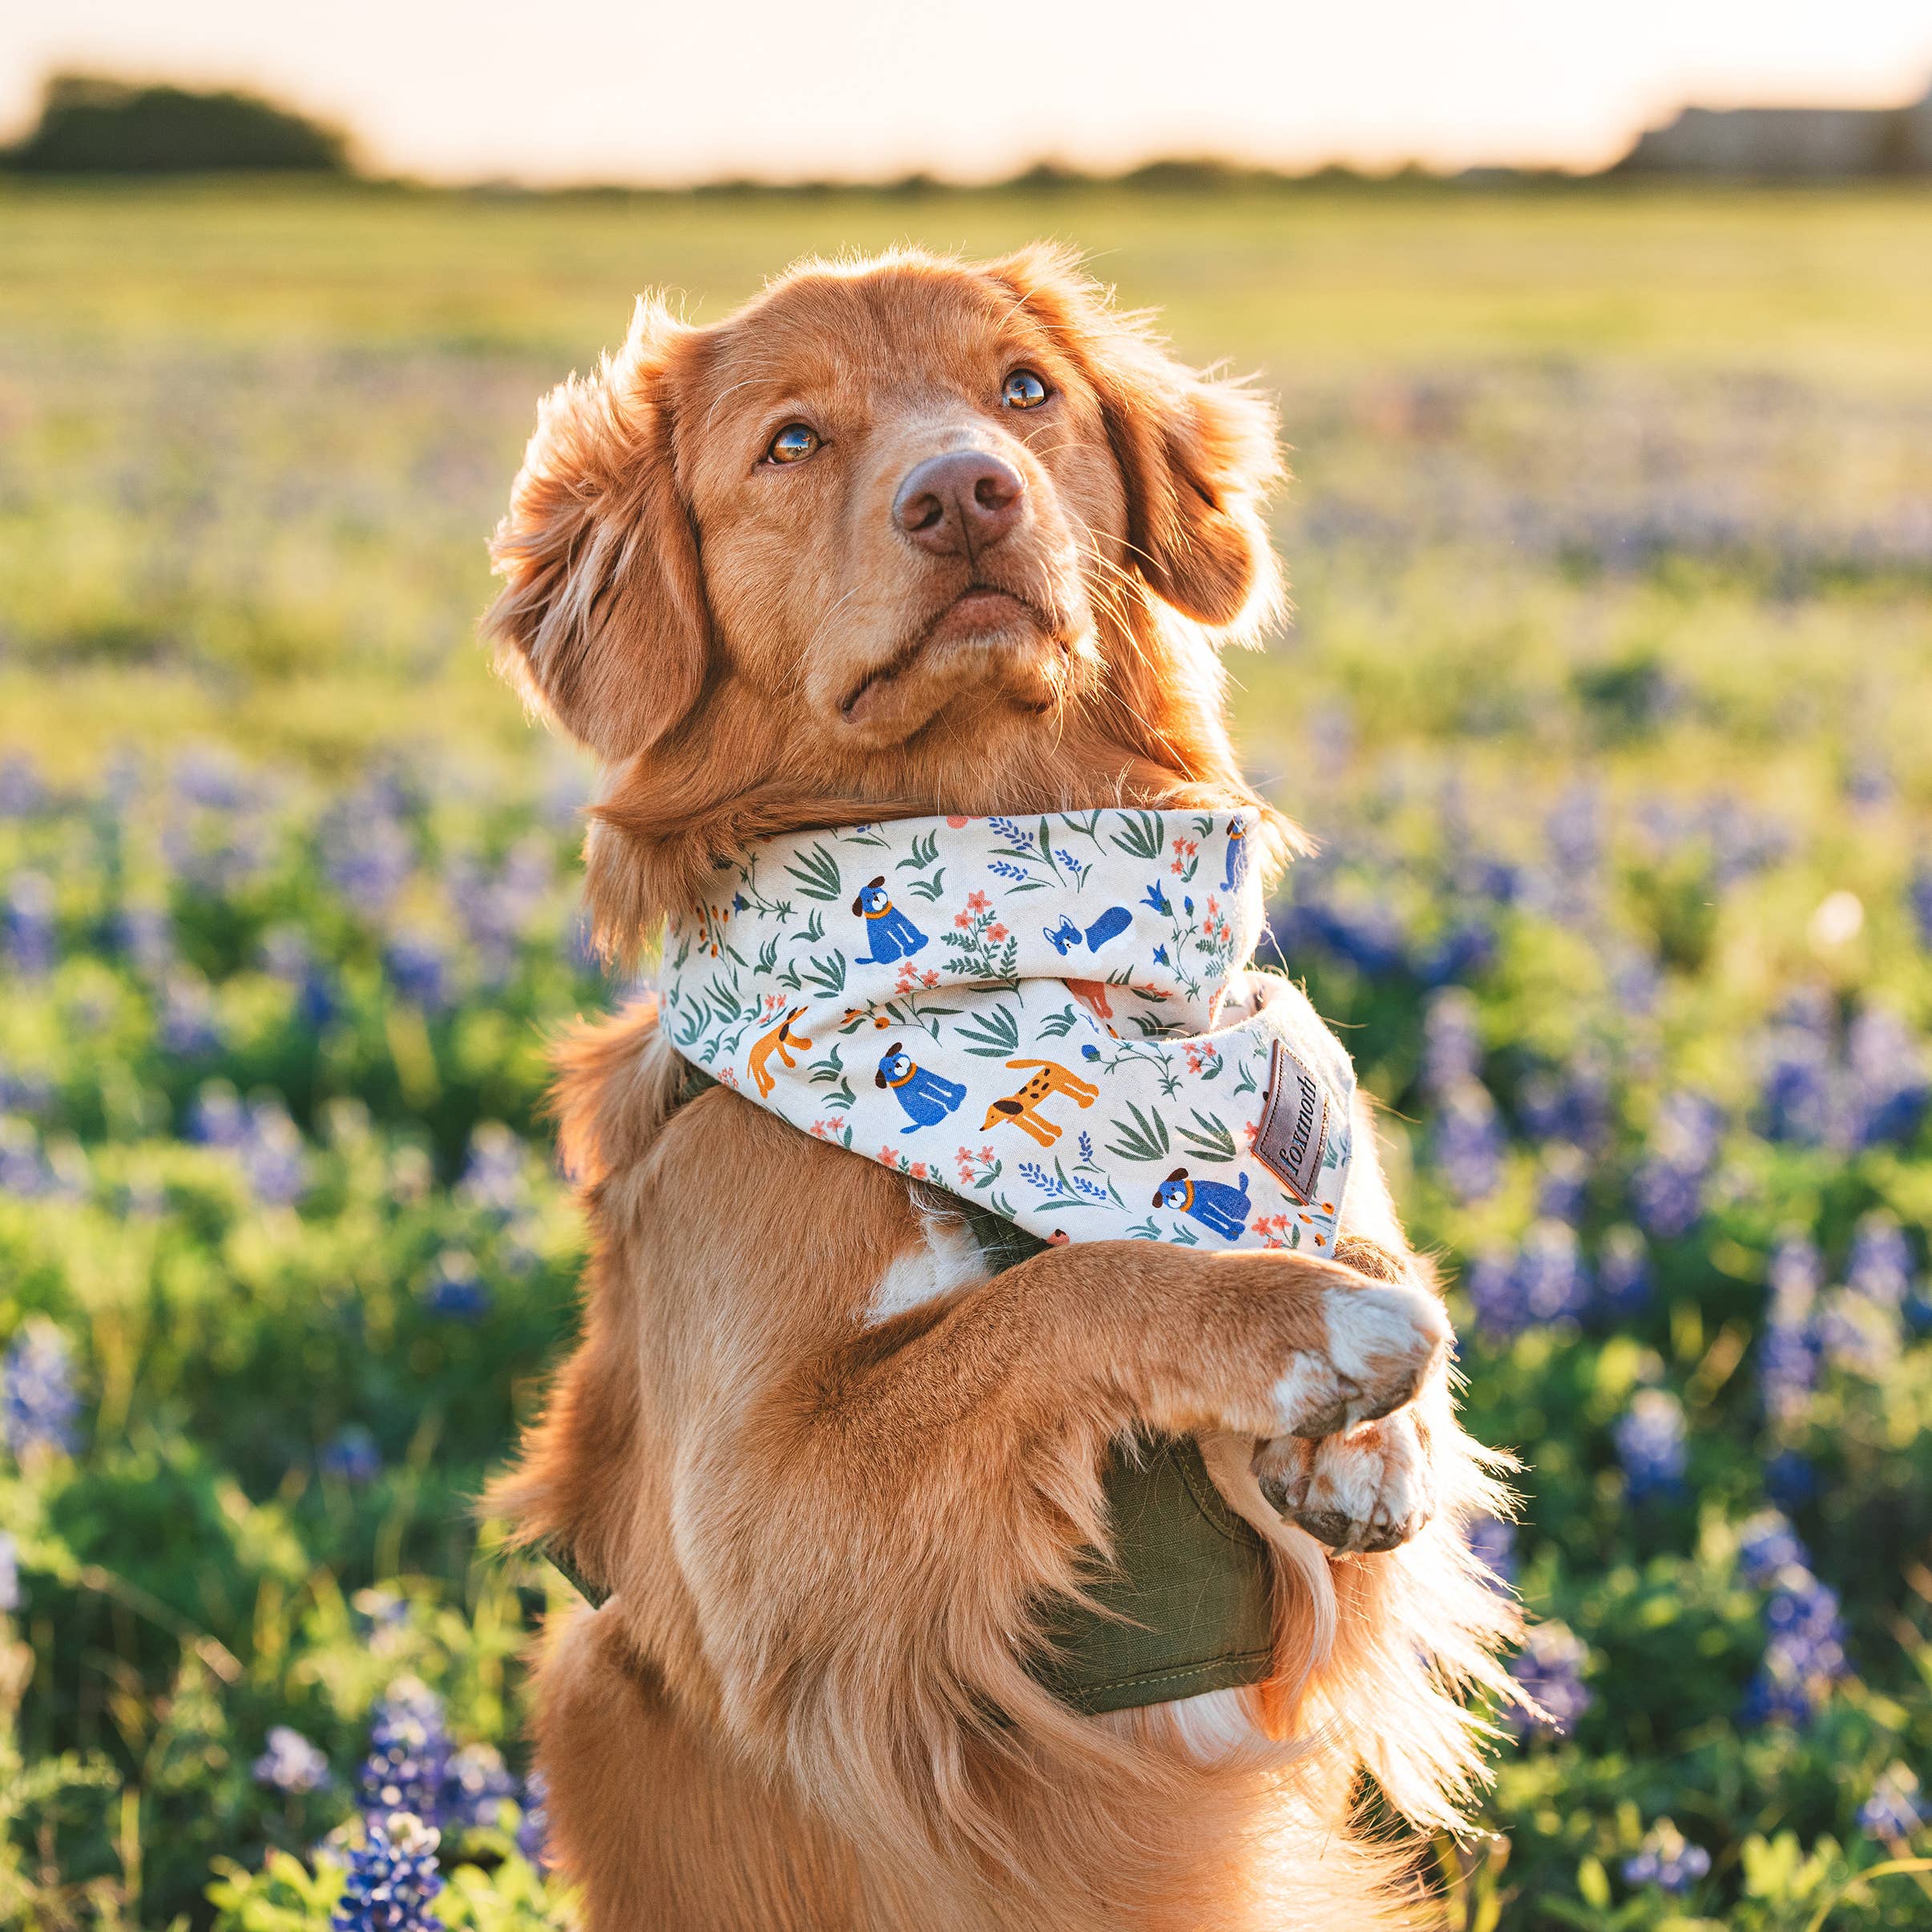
[(1370, 1490), (1382, 1342)]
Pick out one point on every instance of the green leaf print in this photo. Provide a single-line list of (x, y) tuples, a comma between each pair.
[(1056, 1026), (826, 974), (1212, 1142), (1145, 837), (816, 873), (1146, 1139), (997, 1034)]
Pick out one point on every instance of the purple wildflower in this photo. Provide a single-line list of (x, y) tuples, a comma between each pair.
[(1550, 1672), (475, 1785), (1467, 1143), (352, 1456), (492, 1175), (1624, 1285), (1668, 1190), (408, 1752), (1564, 1174), (1452, 1042), (1895, 1809), (1803, 1653), (1880, 1265), (1492, 1541), (392, 1878), (1767, 1544), (1667, 1860), (532, 1827), (1649, 1437), (38, 1405), (291, 1763), (1552, 1278), (33, 940), (418, 966), (454, 1288)]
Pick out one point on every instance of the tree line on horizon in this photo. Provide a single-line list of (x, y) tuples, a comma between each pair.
[(97, 125)]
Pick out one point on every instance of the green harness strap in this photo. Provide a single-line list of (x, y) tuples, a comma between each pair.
[(1184, 1607)]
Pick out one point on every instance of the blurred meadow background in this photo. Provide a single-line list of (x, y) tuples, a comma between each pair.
[(1608, 694)]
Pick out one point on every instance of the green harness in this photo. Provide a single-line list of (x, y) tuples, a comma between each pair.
[(1184, 1607)]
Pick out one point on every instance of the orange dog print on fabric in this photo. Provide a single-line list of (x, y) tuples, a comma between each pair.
[(1022, 1108), (780, 1040)]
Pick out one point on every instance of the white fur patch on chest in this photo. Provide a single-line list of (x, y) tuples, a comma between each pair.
[(945, 1258)]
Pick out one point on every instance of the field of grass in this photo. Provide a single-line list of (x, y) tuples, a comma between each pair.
[(1608, 694)]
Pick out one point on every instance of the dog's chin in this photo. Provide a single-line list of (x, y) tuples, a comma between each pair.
[(989, 641)]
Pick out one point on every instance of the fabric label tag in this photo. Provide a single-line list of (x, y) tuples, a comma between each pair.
[(1294, 1125)]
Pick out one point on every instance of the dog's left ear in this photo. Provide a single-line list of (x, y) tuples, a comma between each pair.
[(1199, 457), (602, 620)]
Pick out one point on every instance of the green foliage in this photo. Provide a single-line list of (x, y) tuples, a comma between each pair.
[(90, 126)]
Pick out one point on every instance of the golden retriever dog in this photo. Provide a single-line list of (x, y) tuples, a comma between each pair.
[(906, 536)]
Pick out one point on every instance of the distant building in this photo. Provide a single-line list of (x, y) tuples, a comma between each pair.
[(1790, 143)]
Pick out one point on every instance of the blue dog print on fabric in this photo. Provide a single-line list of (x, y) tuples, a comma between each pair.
[(1110, 925), (1211, 1202), (1237, 856), (893, 936), (926, 1096)]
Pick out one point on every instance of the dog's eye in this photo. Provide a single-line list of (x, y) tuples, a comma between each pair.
[(1023, 390), (793, 444)]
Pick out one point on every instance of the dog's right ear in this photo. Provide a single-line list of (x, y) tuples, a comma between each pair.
[(602, 620)]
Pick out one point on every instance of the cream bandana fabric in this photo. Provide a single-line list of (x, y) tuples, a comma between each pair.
[(1055, 1017)]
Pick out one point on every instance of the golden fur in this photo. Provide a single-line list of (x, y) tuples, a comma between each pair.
[(830, 1538)]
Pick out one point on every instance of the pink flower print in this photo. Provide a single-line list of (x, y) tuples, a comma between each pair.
[(728, 1076), (824, 1130), (978, 902), (1202, 1057), (963, 921), (888, 1157), (918, 1170), (928, 977), (904, 984), (996, 932)]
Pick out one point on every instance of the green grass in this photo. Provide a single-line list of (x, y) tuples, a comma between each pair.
[(255, 438)]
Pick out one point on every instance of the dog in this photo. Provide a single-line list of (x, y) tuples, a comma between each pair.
[(1110, 925), (927, 1097), (780, 1040), (891, 934), (1212, 1202), (834, 1473), (1023, 1108)]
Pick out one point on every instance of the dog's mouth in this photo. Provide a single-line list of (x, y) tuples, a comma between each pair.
[(982, 615)]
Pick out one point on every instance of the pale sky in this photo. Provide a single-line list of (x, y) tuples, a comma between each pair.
[(630, 90)]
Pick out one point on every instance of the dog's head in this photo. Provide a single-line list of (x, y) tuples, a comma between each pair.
[(871, 898), (907, 533), (895, 1067), (1174, 1191)]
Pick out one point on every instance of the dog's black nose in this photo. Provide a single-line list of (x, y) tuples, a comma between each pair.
[(959, 504)]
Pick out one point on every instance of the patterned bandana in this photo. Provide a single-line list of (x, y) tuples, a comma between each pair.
[(1056, 1018)]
